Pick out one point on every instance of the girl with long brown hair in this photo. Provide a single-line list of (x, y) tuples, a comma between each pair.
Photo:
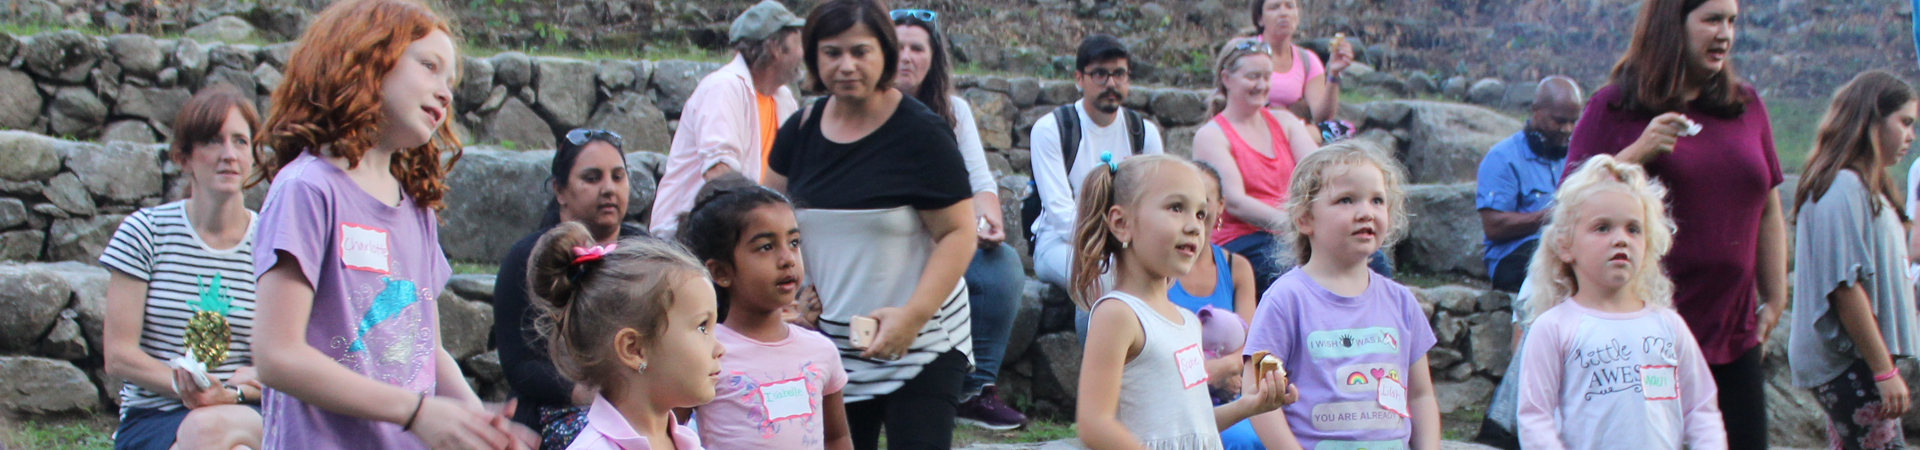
[(1853, 305), (1676, 106), (349, 258)]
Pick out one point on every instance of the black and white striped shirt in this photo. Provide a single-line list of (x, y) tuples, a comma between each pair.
[(159, 246)]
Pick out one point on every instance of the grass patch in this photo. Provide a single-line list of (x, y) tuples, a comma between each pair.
[(474, 268), (656, 51), (22, 28), (1035, 431), (1462, 424), (89, 432)]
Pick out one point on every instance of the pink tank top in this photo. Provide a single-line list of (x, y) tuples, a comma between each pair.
[(1289, 86), (1264, 178)]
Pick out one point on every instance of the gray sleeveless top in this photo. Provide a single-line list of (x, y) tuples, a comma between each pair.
[(1164, 408)]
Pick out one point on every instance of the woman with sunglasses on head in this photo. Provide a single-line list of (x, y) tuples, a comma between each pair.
[(589, 184), (994, 277), (882, 196), (1255, 151), (1300, 82)]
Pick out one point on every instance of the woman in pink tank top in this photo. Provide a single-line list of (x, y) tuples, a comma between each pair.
[(1301, 83), (1254, 150)]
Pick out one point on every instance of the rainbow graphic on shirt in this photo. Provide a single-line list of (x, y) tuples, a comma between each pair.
[(1356, 379)]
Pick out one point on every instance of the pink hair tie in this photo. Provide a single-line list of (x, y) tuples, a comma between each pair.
[(594, 253), (1886, 376)]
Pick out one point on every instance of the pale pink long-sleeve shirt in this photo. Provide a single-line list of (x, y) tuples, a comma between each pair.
[(1599, 380), (720, 125), (607, 429)]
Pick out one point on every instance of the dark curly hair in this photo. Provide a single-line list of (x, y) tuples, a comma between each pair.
[(712, 228)]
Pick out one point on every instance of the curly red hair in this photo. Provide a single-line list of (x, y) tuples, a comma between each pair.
[(331, 94)]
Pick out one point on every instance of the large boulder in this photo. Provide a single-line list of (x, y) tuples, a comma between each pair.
[(1475, 393), (23, 99), (13, 212), (137, 54), (1057, 373), (1487, 91), (223, 29), (464, 325), (1026, 320), (564, 90), (513, 69), (30, 298), (241, 79), (134, 131), (643, 184), (993, 113), (65, 55), (159, 105), (77, 112), (1058, 92), (81, 238), (1490, 341), (1794, 416), (21, 245), (1179, 107), (476, 80), (642, 127), (38, 386), (473, 287), (675, 80), (66, 192), (28, 156), (88, 281), (190, 60), (1448, 140), (124, 172), (515, 126), (511, 195), (1443, 234)]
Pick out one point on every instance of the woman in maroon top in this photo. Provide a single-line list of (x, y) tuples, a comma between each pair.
[(1731, 242)]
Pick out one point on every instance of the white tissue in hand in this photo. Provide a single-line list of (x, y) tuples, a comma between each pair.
[(1693, 128), (193, 366)]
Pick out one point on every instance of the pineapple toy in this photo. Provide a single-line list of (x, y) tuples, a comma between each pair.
[(207, 332)]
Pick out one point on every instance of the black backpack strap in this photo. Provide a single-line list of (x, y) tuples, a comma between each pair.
[(1067, 119), (1136, 131)]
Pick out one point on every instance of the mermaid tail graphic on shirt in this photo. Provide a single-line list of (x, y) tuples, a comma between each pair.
[(397, 296)]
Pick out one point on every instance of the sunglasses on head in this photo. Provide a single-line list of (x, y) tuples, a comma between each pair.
[(581, 136), (1250, 45), (923, 15)]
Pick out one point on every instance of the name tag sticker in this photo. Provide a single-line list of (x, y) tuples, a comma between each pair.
[(363, 248), (786, 399), (1193, 365), (1393, 397), (1659, 382)]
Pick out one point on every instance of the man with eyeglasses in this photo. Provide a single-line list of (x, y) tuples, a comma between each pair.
[(1067, 143), (729, 122)]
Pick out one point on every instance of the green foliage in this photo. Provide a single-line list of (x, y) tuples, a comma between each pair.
[(474, 268), (56, 436)]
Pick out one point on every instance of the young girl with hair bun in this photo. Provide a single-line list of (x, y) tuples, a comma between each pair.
[(634, 320)]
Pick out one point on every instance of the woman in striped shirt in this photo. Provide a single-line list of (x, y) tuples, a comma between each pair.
[(165, 258)]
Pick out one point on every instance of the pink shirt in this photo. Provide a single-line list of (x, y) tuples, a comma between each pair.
[(720, 125), (770, 393), (1290, 85), (607, 429), (1600, 380), (1265, 178)]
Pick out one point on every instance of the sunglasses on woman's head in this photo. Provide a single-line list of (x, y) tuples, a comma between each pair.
[(923, 15), (581, 136), (1250, 45)]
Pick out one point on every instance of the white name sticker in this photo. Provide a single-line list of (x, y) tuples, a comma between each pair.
[(786, 400), (1393, 397), (363, 248), (1193, 365), (1659, 382)]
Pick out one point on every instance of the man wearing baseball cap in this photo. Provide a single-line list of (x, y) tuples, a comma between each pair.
[(729, 122)]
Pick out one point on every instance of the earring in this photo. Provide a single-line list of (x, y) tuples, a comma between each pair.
[(1124, 245), (643, 367)]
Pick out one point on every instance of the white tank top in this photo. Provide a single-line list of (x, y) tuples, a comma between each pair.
[(1164, 406)]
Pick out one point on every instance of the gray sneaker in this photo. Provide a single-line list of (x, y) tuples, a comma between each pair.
[(987, 411)]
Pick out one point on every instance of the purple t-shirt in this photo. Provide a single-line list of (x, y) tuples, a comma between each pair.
[(1717, 185), (1336, 350), (375, 270)]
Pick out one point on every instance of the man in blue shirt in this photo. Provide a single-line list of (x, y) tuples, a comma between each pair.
[(1518, 177)]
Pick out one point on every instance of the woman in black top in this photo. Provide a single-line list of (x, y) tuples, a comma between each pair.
[(589, 183), (883, 202)]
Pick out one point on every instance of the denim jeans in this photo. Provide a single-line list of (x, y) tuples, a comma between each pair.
[(995, 281)]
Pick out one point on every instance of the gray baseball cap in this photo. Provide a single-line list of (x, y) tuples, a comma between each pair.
[(761, 21)]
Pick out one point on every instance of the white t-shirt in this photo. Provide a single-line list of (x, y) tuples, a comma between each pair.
[(1058, 196), (1595, 380), (967, 133)]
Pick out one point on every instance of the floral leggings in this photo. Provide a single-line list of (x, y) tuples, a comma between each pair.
[(1852, 402)]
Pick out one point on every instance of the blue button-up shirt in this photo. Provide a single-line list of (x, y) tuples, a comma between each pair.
[(1514, 179)]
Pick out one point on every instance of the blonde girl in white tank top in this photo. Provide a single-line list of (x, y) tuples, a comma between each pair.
[(1143, 382)]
